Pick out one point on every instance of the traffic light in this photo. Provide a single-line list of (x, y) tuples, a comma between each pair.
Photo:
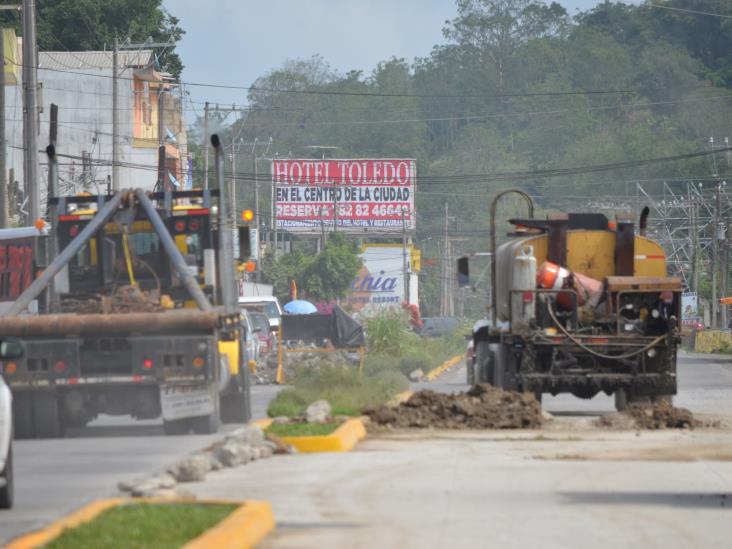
[(245, 234)]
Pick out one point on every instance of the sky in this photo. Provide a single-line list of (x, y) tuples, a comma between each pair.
[(234, 42)]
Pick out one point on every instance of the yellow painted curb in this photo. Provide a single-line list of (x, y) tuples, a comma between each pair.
[(444, 367), (85, 514), (246, 526), (343, 439)]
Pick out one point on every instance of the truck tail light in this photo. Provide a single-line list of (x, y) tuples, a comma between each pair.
[(11, 368), (59, 367), (147, 364), (527, 297), (198, 362)]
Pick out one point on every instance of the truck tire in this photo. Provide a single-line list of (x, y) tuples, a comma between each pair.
[(46, 416), (177, 426), (208, 424), (470, 372), (484, 363), (234, 408), (23, 416), (6, 492)]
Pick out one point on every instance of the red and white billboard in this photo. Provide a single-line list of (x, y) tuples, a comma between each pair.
[(361, 195)]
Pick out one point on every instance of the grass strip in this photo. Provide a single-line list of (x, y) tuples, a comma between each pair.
[(143, 526), (302, 429)]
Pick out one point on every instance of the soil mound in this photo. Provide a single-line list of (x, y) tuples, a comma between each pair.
[(483, 407), (659, 415), (125, 299)]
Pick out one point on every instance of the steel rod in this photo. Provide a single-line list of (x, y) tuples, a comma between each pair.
[(173, 253)]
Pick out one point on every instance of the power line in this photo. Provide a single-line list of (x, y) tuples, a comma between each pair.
[(695, 12)]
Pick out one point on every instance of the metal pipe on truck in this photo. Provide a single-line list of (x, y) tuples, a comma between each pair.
[(173, 253), (190, 321), (227, 270), (60, 261)]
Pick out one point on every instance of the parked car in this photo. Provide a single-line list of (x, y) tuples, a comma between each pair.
[(263, 332), (8, 350), (268, 304), (438, 326), (252, 341)]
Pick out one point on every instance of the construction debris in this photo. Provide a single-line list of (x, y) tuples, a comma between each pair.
[(482, 407), (125, 299)]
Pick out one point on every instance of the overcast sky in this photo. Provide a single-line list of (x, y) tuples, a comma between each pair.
[(236, 41)]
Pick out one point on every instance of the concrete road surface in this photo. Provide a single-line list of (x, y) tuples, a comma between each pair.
[(465, 489), (56, 476), (564, 487)]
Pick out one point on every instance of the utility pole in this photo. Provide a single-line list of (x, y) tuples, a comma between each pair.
[(3, 148), (405, 260), (205, 146), (715, 258), (30, 110), (162, 171), (445, 267), (115, 116)]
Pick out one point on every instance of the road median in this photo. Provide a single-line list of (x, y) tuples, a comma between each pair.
[(242, 527)]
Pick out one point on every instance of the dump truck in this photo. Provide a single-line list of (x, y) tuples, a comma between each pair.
[(580, 304), (138, 315)]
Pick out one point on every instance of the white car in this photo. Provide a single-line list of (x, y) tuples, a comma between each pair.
[(266, 304), (9, 349), (6, 446)]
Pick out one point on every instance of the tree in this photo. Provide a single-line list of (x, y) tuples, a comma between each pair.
[(80, 25), (320, 278), (494, 29)]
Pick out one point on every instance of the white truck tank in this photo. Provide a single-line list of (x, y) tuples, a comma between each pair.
[(523, 297)]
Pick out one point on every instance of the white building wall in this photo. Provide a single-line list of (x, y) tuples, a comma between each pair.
[(85, 124)]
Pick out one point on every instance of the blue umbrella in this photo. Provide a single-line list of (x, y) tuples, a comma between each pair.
[(300, 307)]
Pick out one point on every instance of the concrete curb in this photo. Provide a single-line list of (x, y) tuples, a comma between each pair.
[(444, 367), (343, 439), (246, 526)]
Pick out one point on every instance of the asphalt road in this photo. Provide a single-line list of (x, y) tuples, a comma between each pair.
[(54, 477)]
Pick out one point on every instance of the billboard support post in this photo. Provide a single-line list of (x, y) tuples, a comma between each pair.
[(405, 263)]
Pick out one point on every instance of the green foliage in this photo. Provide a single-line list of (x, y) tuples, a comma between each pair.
[(301, 429), (319, 277), (348, 392), (80, 25), (159, 525), (388, 332)]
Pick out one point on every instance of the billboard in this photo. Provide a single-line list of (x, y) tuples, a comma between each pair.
[(380, 282), (363, 195)]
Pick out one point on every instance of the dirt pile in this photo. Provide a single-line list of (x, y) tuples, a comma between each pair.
[(126, 299), (483, 407), (658, 415)]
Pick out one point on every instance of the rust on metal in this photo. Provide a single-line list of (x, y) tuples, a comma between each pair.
[(624, 248), (557, 239), (101, 324), (650, 283)]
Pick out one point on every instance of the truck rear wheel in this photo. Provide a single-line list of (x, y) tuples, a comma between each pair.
[(234, 408), (23, 416), (484, 363), (46, 417), (177, 426), (208, 424), (470, 371), (6, 491)]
